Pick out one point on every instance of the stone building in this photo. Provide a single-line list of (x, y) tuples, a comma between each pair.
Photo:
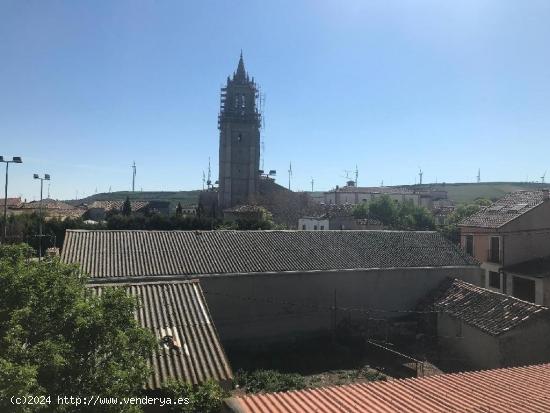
[(483, 329), (239, 124), (513, 230)]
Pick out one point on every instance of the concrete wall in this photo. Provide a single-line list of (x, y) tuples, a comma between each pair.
[(284, 305), (466, 345), (526, 345)]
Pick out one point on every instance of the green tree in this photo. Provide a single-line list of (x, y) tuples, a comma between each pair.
[(385, 210), (57, 338), (361, 210), (179, 210), (126, 207)]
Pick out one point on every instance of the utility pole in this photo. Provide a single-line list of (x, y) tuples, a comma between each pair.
[(312, 181), (45, 178), (356, 175), (420, 173), (15, 159), (134, 176)]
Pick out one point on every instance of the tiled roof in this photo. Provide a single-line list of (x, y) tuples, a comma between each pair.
[(117, 205), (12, 202), (504, 210), (150, 253), (47, 204), (492, 312), (178, 309), (538, 267), (511, 390)]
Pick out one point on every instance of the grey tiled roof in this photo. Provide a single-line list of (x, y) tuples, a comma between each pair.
[(505, 209), (117, 205), (153, 253), (492, 312), (178, 309)]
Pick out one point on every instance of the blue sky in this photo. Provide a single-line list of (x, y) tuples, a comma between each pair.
[(87, 87)]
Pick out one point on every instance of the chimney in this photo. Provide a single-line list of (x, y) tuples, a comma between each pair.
[(545, 195)]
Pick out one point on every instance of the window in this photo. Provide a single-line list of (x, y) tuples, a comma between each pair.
[(322, 227), (315, 228), (469, 244), (494, 279), (523, 288), (304, 226), (494, 252)]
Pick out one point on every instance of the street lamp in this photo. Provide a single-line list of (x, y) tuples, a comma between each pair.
[(46, 178), (15, 159)]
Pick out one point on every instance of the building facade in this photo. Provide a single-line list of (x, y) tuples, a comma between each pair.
[(239, 124), (513, 230)]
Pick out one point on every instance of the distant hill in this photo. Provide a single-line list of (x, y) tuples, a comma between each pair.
[(458, 192), (468, 192), (185, 197)]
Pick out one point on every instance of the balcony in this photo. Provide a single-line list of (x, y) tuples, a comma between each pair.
[(494, 256)]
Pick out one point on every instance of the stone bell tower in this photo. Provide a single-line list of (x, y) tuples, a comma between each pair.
[(239, 124)]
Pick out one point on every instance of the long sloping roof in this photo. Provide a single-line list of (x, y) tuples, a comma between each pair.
[(492, 312), (506, 209), (510, 390), (154, 253), (178, 309)]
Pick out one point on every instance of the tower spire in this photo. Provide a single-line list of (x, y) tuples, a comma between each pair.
[(240, 74)]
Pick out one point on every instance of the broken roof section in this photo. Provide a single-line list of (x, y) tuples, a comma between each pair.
[(189, 347), (489, 311)]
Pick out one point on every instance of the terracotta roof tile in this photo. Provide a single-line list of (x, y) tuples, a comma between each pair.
[(511, 390)]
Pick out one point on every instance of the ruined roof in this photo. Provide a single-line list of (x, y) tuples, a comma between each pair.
[(506, 209), (538, 267), (178, 310), (154, 253), (509, 390), (487, 310)]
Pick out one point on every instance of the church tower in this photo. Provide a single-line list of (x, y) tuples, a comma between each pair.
[(239, 124)]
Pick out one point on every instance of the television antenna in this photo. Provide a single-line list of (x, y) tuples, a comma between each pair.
[(542, 177), (203, 180), (312, 182), (209, 177)]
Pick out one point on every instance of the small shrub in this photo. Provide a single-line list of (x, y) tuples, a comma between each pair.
[(269, 381), (204, 398)]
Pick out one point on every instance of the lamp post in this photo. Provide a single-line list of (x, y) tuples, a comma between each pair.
[(15, 159), (45, 178)]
